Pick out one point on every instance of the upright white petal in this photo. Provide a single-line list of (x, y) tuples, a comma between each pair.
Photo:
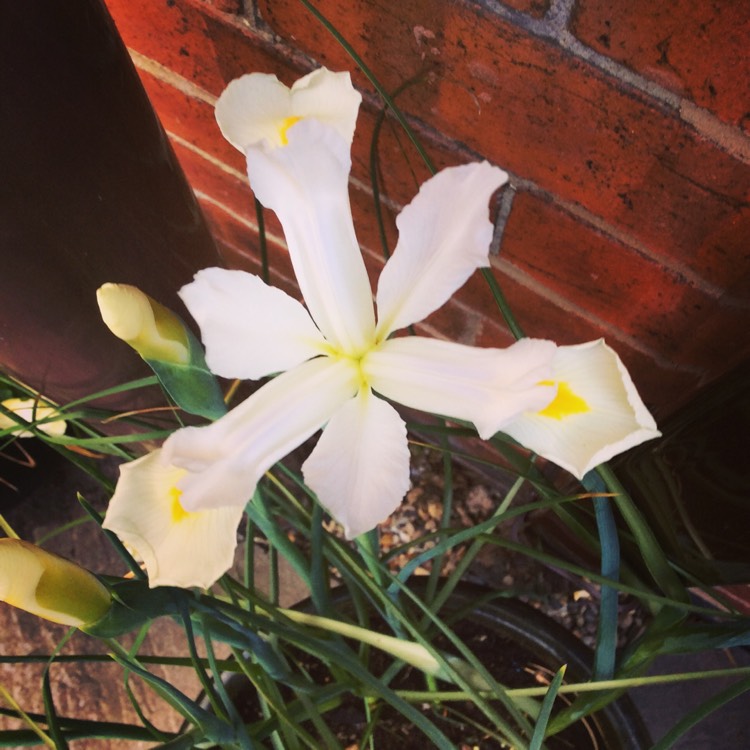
[(226, 459), (488, 387), (603, 416), (360, 467), (251, 109), (178, 548), (328, 97), (258, 107), (444, 235), (249, 329), (306, 184)]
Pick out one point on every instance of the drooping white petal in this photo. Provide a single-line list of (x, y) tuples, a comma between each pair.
[(488, 387), (328, 97), (306, 184), (444, 236), (249, 329), (178, 548), (226, 459), (251, 109), (258, 107), (360, 467), (597, 415)]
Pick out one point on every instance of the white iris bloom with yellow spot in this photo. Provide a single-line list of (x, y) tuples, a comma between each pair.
[(177, 547), (179, 507), (336, 360), (596, 414)]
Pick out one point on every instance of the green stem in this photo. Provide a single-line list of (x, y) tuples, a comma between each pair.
[(423, 696), (373, 80)]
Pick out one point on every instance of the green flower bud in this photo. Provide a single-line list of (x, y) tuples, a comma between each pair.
[(155, 332), (50, 586)]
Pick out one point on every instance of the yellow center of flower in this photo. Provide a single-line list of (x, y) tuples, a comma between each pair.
[(565, 403), (178, 512), (285, 125)]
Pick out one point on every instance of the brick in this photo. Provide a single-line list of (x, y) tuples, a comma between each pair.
[(697, 49), (549, 117), (193, 41), (598, 274), (662, 386), (534, 8)]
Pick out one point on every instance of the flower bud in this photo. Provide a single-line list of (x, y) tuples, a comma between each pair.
[(155, 332), (31, 410), (50, 586)]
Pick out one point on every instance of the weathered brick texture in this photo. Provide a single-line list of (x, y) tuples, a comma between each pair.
[(621, 126), (695, 48)]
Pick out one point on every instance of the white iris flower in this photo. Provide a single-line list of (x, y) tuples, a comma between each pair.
[(333, 355), (338, 361)]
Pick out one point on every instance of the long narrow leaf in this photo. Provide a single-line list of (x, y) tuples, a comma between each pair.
[(549, 699)]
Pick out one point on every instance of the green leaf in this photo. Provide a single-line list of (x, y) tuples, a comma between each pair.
[(134, 603), (549, 699), (193, 387)]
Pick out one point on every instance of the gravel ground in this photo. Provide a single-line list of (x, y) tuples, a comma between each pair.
[(570, 600)]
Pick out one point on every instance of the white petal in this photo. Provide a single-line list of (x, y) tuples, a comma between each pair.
[(360, 467), (226, 459), (616, 418), (487, 387), (178, 548), (328, 97), (444, 235), (257, 107), (249, 329), (250, 109), (306, 184)]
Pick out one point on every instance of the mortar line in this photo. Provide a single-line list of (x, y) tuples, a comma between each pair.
[(622, 236), (554, 26), (504, 206), (564, 304), (163, 73)]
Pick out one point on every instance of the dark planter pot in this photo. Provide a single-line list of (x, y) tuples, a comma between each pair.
[(91, 192), (515, 642)]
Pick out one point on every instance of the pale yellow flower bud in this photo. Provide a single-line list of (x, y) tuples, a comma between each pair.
[(31, 410), (50, 586), (155, 332)]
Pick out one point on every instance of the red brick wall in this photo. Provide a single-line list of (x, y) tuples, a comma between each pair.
[(623, 125)]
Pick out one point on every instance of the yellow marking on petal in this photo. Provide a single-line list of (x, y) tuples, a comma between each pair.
[(565, 403), (285, 125), (178, 512)]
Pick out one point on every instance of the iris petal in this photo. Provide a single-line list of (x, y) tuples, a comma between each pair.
[(306, 184), (444, 236), (487, 387), (360, 467), (226, 459), (328, 97), (616, 418), (178, 549), (252, 108), (249, 329)]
